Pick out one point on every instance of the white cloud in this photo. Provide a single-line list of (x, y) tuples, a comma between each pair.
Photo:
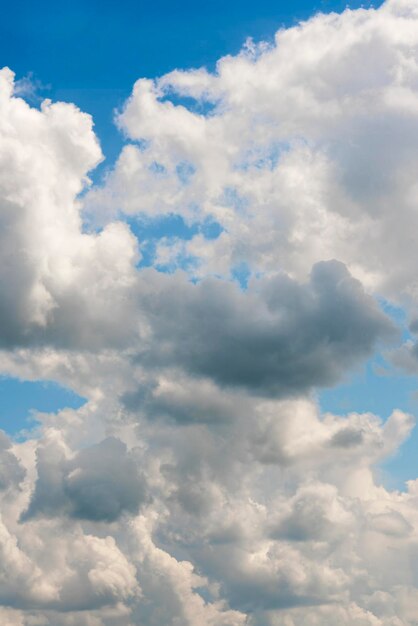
[(309, 152), (200, 485), (52, 274)]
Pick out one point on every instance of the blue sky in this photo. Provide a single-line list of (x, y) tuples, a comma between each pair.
[(91, 53), (20, 399)]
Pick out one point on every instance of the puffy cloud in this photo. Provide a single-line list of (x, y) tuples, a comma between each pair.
[(232, 534), (99, 483), (200, 485), (279, 337), (54, 278), (308, 151)]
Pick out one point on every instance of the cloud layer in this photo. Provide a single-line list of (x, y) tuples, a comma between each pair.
[(200, 485)]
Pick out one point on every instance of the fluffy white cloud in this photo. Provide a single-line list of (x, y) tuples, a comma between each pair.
[(307, 152), (200, 485), (54, 278)]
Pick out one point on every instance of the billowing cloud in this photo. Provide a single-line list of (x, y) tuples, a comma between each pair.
[(200, 484), (99, 483), (54, 278), (279, 337), (307, 151)]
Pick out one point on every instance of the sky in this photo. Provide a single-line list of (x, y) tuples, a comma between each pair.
[(91, 53), (209, 313)]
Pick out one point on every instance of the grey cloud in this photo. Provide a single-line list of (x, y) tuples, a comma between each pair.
[(306, 522), (103, 482), (347, 438), (316, 514), (14, 302), (99, 484), (268, 584), (186, 401), (391, 523), (406, 356), (11, 471), (280, 338)]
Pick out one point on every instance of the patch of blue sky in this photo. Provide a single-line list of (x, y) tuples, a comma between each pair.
[(182, 261), (170, 228), (402, 466), (158, 168), (211, 229), (200, 106), (231, 198), (141, 144), (21, 400), (185, 171), (399, 316), (375, 389), (380, 389), (263, 158), (241, 273)]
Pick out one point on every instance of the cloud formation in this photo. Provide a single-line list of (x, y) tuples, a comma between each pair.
[(54, 277), (307, 151), (279, 337), (99, 483), (200, 485)]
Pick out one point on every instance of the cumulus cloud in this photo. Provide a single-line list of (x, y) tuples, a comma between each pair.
[(279, 337), (99, 483), (53, 275), (308, 151), (200, 484)]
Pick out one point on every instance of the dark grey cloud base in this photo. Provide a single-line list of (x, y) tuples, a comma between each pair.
[(279, 338)]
